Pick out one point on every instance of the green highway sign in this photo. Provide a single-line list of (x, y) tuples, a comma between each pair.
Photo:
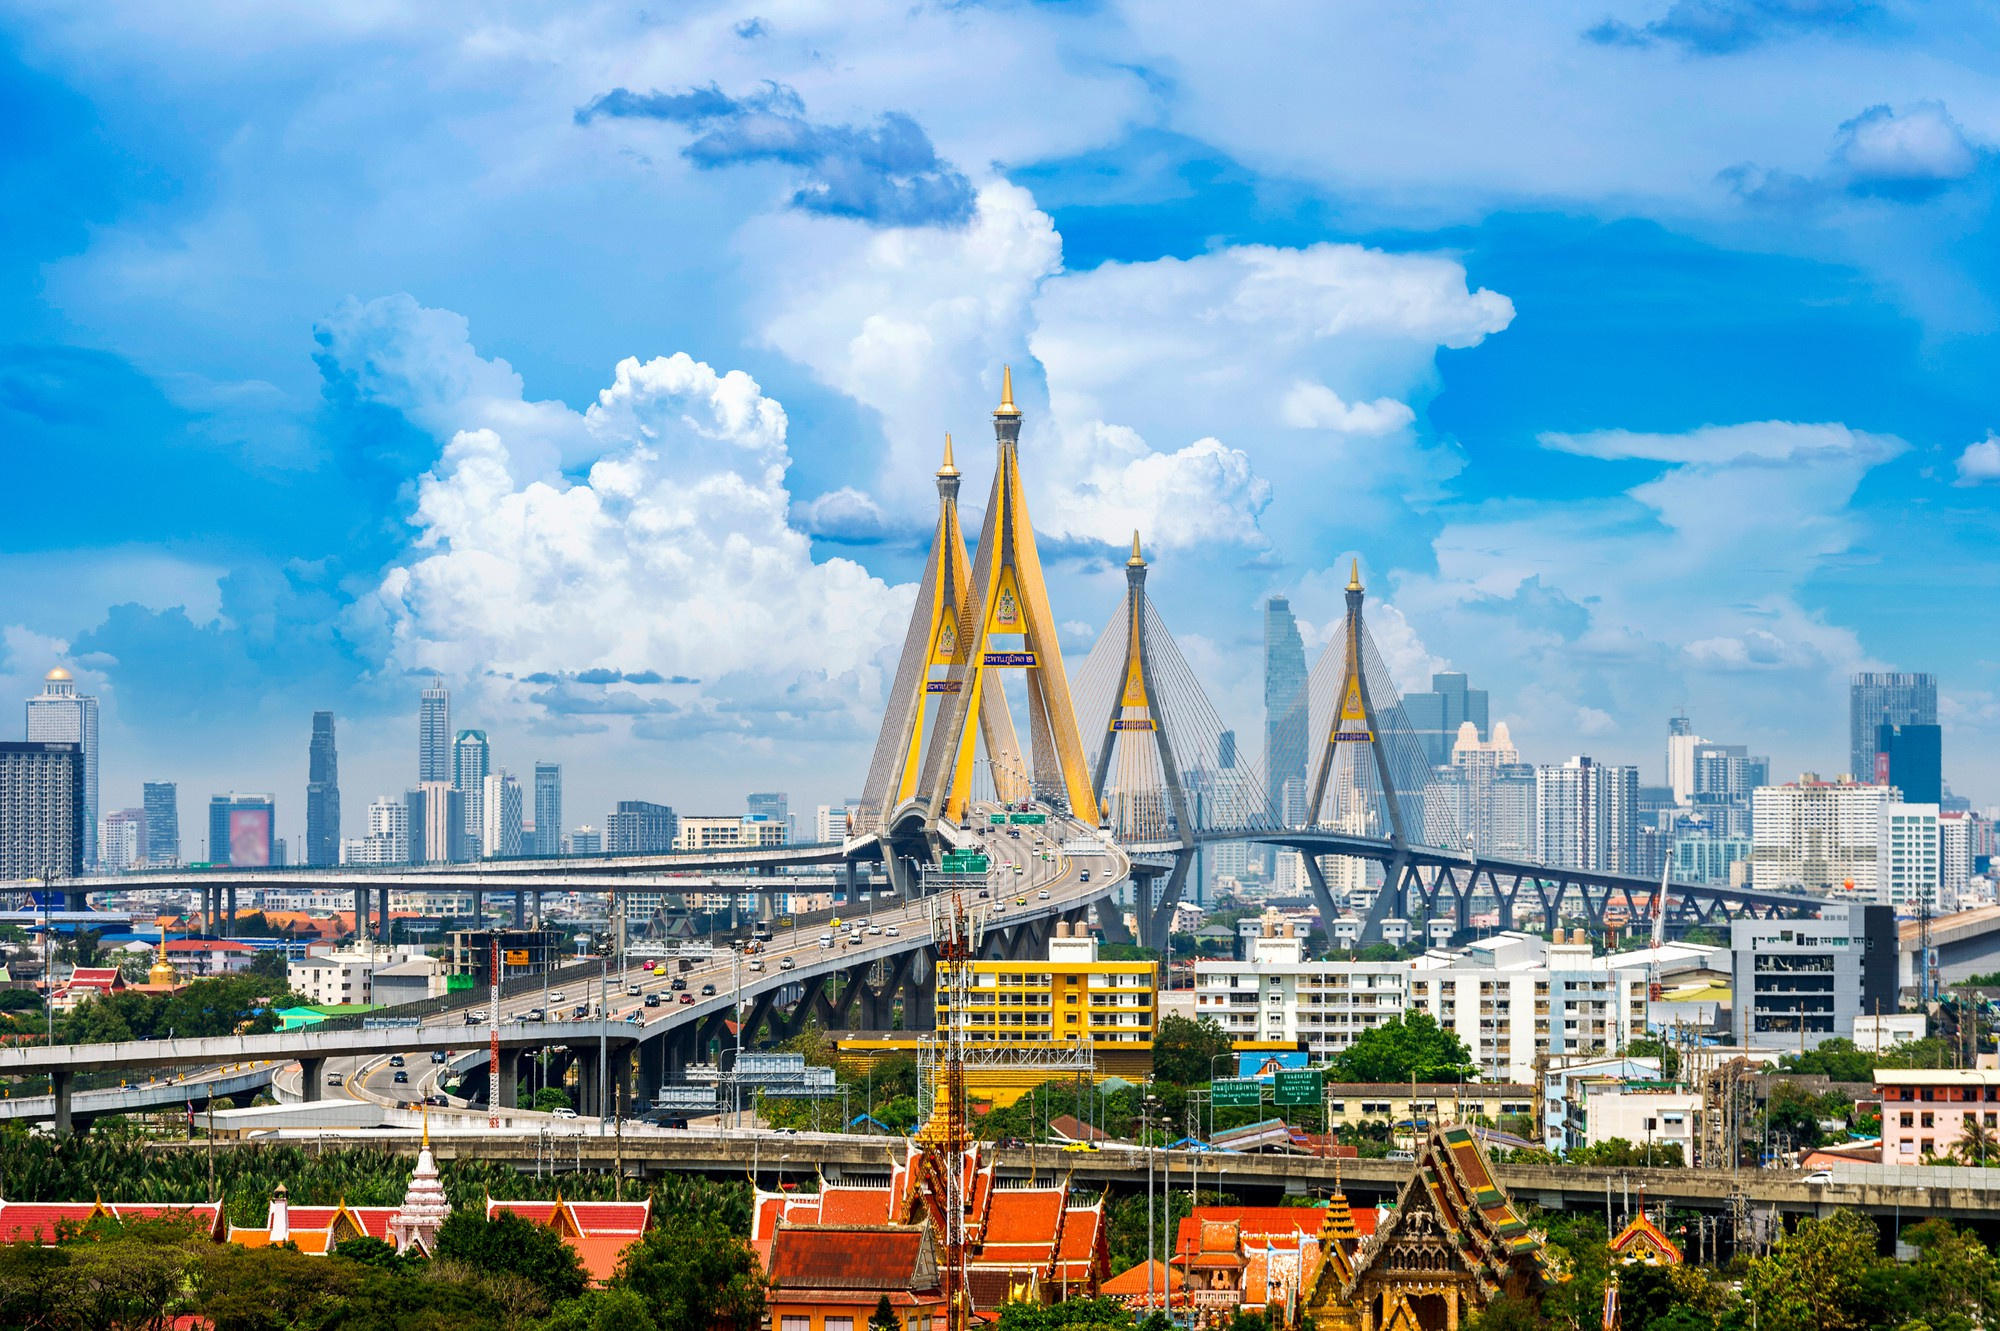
[(1035, 818), (967, 864), (1299, 1086), (1236, 1094), (997, 818)]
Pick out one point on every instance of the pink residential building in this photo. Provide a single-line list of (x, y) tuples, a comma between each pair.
[(1924, 1110)]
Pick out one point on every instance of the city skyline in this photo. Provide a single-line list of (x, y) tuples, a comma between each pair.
[(1665, 388)]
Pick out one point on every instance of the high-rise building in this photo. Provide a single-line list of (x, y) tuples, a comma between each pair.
[(1799, 982), (437, 823), (61, 715), (242, 830), (388, 839), (500, 810), (1436, 716), (434, 734), (709, 832), (1874, 697), (1284, 704), (471, 764), (121, 840), (1486, 795), (1958, 838), (1906, 856), (1820, 836), (1587, 815), (830, 823), (769, 806), (638, 828), (585, 840), (41, 809), (1681, 744), (163, 822), (322, 794), (1910, 757), (548, 809)]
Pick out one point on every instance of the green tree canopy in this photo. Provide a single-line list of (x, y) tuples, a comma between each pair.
[(695, 1275), (1185, 1049), (1411, 1046), (510, 1245), (1814, 1278)]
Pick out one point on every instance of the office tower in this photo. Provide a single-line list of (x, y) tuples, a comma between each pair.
[(121, 840), (500, 812), (638, 828), (242, 830), (322, 794), (1725, 776), (163, 822), (61, 715), (434, 734), (1874, 697), (771, 806), (1798, 982), (41, 809), (585, 840), (1910, 757), (1225, 750), (1906, 856), (471, 764), (1587, 815), (1284, 703), (436, 817), (548, 808), (1436, 716)]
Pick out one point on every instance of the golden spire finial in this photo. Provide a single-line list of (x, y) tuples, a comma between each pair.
[(947, 469), (1137, 560), (1354, 578), (1006, 407), (424, 1116)]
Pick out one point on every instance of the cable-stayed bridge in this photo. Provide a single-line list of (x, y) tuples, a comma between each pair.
[(1133, 746)]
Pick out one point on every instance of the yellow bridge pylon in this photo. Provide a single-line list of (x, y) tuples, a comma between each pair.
[(923, 676), (1005, 624)]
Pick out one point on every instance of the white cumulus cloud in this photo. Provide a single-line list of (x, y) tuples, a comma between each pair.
[(675, 555), (1980, 462), (1310, 406)]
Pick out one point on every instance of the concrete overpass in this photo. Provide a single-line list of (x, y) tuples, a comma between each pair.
[(1967, 944), (239, 1083), (797, 973)]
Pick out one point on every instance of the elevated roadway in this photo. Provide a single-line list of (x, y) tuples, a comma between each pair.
[(1048, 883), (236, 1082)]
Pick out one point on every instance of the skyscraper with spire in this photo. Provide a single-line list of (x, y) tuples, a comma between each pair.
[(434, 734)]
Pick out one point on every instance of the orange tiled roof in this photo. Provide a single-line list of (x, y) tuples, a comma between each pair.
[(39, 1222), (1134, 1282), (854, 1206), (847, 1257)]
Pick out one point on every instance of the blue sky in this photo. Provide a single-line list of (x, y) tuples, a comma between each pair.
[(1642, 350)]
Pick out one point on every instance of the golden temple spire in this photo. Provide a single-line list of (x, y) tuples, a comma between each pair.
[(1354, 578), (1006, 407), (1137, 560), (947, 469)]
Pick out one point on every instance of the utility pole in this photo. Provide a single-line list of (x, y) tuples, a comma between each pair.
[(603, 1043)]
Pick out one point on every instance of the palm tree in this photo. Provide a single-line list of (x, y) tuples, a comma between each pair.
[(1977, 1143)]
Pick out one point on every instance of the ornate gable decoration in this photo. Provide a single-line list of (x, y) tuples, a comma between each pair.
[(1644, 1241)]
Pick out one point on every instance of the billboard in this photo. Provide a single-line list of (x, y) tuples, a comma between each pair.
[(250, 838), (514, 956), (1263, 1065)]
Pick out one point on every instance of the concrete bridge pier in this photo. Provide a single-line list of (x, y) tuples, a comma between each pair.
[(652, 1058), (919, 1000), (311, 1082), (479, 908), (521, 907), (587, 1097), (383, 919), (507, 1094), (61, 1082), (77, 900), (229, 910), (360, 912)]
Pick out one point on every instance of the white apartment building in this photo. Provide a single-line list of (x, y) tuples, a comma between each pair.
[(1486, 797), (1906, 856), (346, 976), (500, 816), (1587, 815), (1958, 836), (1278, 995), (1510, 998), (1643, 1115), (830, 823), (1819, 836)]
